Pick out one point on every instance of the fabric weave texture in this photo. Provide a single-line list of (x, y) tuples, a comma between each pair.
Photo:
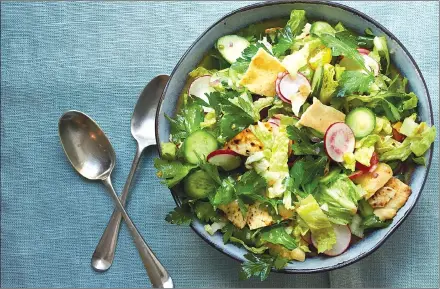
[(96, 57)]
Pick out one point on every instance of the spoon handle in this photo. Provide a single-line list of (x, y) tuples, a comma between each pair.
[(157, 273), (104, 253)]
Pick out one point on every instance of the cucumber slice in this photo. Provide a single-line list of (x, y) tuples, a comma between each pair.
[(317, 81), (198, 185), (199, 142), (231, 47), (362, 121)]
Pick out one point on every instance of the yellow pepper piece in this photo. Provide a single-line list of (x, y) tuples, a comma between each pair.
[(320, 56)]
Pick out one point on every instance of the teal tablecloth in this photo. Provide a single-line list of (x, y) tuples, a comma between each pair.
[(97, 57)]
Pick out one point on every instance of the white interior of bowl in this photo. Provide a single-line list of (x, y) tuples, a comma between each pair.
[(332, 13)]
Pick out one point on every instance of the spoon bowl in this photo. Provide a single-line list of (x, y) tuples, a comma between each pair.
[(86, 146), (144, 114)]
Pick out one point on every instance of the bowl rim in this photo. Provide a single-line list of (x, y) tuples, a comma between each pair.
[(413, 63)]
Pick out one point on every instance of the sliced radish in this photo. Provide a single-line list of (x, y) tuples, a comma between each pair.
[(355, 175), (274, 121), (225, 158), (373, 164), (338, 139), (200, 86), (277, 86), (343, 238), (289, 86), (363, 51)]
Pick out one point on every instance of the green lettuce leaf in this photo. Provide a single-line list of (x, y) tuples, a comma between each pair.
[(263, 134), (390, 149), (341, 198), (172, 172), (329, 84), (278, 235), (255, 250), (187, 120), (369, 219), (214, 227), (363, 155), (391, 104), (297, 21), (318, 222), (278, 169), (381, 48)]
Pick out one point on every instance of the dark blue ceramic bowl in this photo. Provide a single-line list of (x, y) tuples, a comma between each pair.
[(333, 13)]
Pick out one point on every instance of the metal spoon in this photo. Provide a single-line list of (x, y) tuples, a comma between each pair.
[(142, 129), (91, 154)]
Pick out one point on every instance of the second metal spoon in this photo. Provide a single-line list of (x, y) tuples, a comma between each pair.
[(143, 130), (91, 154)]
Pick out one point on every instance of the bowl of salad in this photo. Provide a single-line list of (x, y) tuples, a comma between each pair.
[(294, 136)]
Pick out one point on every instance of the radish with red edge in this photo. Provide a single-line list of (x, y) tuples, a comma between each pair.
[(373, 164), (277, 83), (224, 158), (200, 86), (343, 238), (294, 90), (338, 140), (363, 51), (274, 121)]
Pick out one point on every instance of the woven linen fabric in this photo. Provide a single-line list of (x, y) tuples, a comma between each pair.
[(96, 57)]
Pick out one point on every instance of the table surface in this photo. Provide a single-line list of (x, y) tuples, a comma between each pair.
[(96, 57)]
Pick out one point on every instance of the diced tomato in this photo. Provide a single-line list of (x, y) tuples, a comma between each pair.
[(373, 162), (398, 136), (356, 174)]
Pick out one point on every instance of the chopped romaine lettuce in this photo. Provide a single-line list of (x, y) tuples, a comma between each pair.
[(318, 222), (381, 48), (349, 161), (341, 197), (209, 120), (329, 84), (363, 155), (255, 250), (278, 169), (383, 126), (214, 227), (390, 149), (297, 21)]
